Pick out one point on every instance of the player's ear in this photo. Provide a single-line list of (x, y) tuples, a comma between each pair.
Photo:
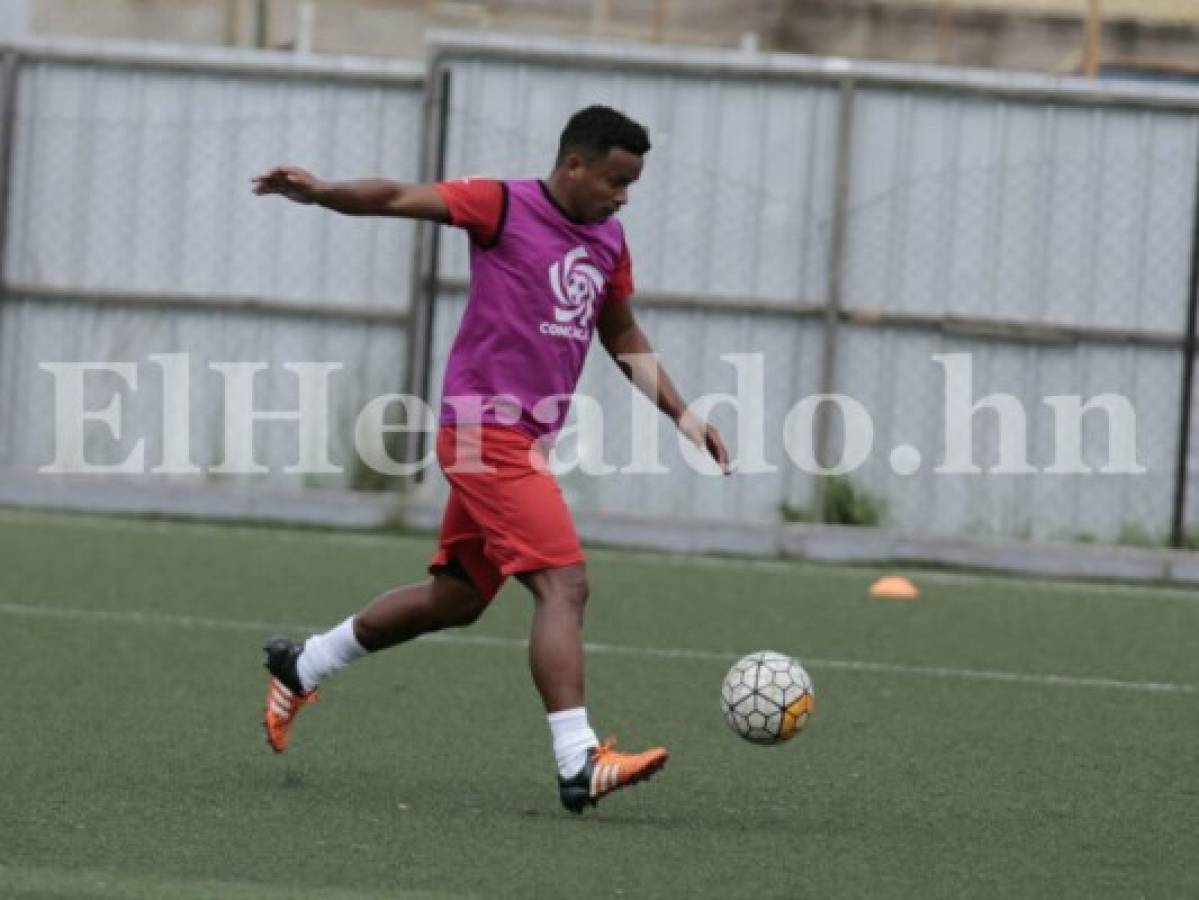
[(575, 164)]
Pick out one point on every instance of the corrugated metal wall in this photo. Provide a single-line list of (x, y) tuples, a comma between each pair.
[(737, 198), (1050, 237), (1044, 230), (735, 204), (1034, 213), (1025, 211), (132, 231)]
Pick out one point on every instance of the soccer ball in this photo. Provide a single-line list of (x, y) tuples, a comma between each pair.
[(767, 697)]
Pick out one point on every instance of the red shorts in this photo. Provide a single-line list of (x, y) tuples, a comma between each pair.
[(506, 521)]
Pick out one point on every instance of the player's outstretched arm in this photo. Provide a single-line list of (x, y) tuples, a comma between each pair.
[(631, 350), (366, 197)]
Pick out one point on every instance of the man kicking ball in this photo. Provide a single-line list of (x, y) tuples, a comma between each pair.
[(549, 267)]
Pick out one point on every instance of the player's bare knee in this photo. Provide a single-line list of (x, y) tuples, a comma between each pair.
[(581, 590), (457, 601), (569, 587), (468, 611), (579, 586)]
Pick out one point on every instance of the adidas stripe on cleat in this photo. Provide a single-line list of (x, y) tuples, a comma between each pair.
[(284, 696), (605, 771)]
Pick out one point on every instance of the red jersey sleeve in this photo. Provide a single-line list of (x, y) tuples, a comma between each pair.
[(620, 288), (477, 205)]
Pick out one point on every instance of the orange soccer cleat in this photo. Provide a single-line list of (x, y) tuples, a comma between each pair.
[(284, 696), (607, 770)]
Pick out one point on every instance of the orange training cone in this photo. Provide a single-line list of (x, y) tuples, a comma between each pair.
[(894, 587)]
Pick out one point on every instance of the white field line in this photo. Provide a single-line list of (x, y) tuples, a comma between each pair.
[(1081, 590), (127, 617)]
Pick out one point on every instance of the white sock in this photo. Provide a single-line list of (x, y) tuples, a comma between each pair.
[(327, 653), (573, 737)]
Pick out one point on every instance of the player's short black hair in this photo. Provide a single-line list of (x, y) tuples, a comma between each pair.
[(593, 131)]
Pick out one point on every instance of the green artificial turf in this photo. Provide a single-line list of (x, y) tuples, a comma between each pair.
[(943, 759)]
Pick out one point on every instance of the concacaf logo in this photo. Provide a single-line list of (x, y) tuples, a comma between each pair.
[(577, 286)]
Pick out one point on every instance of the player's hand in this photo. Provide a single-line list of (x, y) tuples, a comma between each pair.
[(292, 182), (706, 437)]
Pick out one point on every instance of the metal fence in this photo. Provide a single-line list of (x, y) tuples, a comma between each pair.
[(131, 231), (851, 221), (847, 222)]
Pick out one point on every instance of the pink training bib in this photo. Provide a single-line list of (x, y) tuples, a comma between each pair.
[(535, 296)]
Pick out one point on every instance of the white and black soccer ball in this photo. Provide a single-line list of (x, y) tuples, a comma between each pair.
[(767, 697)]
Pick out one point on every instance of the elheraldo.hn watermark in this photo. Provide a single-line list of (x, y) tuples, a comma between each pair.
[(581, 445)]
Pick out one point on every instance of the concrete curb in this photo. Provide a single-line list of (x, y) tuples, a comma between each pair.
[(339, 508)]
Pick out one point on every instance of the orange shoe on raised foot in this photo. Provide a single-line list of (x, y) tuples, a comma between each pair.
[(607, 770), (284, 696)]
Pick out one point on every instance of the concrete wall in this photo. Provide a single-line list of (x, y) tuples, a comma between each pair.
[(177, 21), (983, 33), (396, 27), (1039, 35), (996, 28), (1114, 10)]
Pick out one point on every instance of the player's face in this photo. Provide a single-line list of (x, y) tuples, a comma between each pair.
[(601, 184)]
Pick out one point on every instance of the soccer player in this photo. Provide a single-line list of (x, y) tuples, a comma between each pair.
[(549, 267)]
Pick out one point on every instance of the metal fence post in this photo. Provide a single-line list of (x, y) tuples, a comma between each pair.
[(836, 264), (262, 24), (9, 70), (9, 74), (426, 252), (1189, 346)]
